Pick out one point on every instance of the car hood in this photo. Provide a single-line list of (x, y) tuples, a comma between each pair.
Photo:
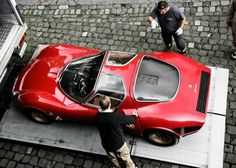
[(42, 72), (40, 75)]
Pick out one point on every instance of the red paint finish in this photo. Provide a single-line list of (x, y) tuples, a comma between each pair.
[(37, 87)]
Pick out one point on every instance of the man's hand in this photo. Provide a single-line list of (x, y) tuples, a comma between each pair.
[(135, 113), (154, 24), (130, 126), (179, 31)]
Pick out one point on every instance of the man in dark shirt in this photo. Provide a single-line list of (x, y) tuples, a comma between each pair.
[(171, 21), (109, 124)]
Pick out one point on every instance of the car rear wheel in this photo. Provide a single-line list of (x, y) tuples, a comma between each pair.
[(161, 137), (40, 117)]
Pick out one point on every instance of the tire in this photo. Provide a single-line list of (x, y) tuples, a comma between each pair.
[(161, 137), (40, 117)]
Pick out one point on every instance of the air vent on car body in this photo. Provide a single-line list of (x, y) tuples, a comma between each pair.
[(203, 91)]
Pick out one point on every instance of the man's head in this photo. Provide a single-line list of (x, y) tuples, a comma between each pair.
[(104, 102), (163, 7)]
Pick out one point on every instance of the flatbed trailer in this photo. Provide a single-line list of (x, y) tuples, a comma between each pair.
[(202, 149)]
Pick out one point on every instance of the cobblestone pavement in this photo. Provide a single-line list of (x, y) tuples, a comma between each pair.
[(121, 25)]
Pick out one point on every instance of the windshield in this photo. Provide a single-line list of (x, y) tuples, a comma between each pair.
[(79, 76)]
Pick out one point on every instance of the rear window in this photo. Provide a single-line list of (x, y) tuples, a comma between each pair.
[(156, 80), (119, 58)]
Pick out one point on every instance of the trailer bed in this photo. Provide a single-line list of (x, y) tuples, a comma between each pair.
[(202, 149)]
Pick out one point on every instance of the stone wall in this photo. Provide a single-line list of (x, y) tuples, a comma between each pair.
[(123, 26)]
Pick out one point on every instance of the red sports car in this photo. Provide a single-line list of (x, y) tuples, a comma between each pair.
[(169, 91)]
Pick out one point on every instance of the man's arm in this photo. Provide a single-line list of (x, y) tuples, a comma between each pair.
[(180, 30), (182, 23), (181, 18), (151, 18), (152, 22), (123, 119)]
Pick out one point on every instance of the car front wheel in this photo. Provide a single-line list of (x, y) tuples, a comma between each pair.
[(40, 117), (161, 137)]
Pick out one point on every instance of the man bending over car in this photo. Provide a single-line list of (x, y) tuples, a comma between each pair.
[(109, 123)]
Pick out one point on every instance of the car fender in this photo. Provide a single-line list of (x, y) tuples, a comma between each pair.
[(162, 128), (41, 101)]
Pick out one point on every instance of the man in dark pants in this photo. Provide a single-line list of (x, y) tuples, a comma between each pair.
[(171, 21), (109, 124), (231, 23)]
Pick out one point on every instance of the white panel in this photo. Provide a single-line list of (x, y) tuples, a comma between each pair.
[(218, 90), (23, 48), (192, 150), (202, 149), (81, 137), (17, 126), (216, 146)]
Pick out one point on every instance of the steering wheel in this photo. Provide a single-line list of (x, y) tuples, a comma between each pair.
[(79, 83)]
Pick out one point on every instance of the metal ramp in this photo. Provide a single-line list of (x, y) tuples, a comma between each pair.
[(202, 149)]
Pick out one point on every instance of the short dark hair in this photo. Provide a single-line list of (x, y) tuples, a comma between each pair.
[(162, 5), (104, 102)]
